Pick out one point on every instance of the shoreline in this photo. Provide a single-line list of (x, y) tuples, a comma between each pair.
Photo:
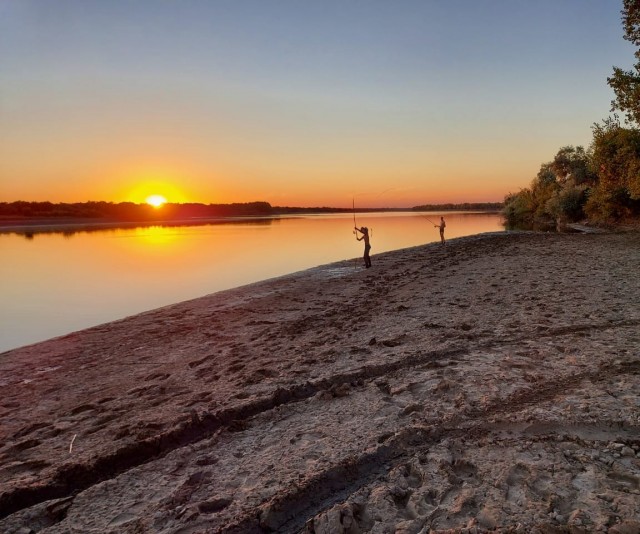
[(489, 383), (323, 270)]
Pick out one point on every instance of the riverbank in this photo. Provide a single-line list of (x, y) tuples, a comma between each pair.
[(490, 384)]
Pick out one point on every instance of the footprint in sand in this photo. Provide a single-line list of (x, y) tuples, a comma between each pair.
[(236, 366), (516, 483), (214, 505), (30, 429), (464, 470), (623, 482), (200, 361), (207, 373), (24, 445), (156, 376), (83, 408), (131, 515)]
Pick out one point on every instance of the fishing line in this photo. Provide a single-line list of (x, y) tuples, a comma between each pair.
[(353, 202)]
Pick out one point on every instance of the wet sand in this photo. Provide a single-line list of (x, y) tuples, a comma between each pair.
[(489, 385)]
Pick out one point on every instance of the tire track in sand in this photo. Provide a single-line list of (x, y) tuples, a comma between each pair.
[(73, 478), (289, 513)]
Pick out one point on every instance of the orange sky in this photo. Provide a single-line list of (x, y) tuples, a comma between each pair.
[(308, 104)]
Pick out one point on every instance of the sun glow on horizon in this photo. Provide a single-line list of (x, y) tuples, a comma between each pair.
[(151, 185), (156, 200)]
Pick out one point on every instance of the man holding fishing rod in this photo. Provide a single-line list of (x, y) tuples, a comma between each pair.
[(367, 246), (442, 226), (365, 235)]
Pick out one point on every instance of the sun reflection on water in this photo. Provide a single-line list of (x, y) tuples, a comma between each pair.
[(60, 284)]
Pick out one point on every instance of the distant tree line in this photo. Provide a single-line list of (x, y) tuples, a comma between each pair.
[(465, 206), (129, 211), (292, 210), (600, 184)]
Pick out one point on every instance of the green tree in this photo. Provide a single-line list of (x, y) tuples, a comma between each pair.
[(626, 83), (527, 207), (542, 189), (557, 194), (519, 208), (616, 157), (567, 203), (573, 164)]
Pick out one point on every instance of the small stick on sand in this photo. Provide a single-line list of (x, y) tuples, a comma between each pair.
[(71, 444)]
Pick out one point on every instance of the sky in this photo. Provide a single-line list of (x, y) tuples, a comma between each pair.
[(297, 102)]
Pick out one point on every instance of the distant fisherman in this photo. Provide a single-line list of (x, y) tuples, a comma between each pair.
[(367, 246), (442, 226)]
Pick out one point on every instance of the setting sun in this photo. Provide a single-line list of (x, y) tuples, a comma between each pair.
[(156, 200)]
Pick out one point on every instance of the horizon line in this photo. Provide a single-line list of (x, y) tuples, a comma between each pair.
[(168, 203)]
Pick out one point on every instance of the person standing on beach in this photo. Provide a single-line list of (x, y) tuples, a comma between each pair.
[(442, 226), (367, 246)]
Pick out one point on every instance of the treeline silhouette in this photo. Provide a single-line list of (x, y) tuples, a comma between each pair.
[(129, 211), (465, 206)]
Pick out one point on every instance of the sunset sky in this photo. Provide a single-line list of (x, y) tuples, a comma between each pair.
[(305, 103)]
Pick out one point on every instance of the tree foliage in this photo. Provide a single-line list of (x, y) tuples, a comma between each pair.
[(603, 182), (571, 164), (616, 156), (626, 83), (557, 194)]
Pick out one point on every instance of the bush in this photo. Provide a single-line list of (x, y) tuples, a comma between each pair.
[(566, 205)]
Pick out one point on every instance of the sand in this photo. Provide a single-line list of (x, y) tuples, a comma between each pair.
[(489, 385)]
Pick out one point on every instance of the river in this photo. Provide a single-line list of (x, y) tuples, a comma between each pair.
[(54, 283)]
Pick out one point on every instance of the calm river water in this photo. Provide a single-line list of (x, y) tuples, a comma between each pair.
[(55, 283)]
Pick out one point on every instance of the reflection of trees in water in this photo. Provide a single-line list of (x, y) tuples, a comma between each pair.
[(74, 229)]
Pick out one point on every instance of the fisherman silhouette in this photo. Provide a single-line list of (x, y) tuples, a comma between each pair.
[(367, 246), (442, 226)]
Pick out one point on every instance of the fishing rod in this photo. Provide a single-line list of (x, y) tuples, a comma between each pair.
[(353, 201), (354, 231), (425, 217), (355, 226)]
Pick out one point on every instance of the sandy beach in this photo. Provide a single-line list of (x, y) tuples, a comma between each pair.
[(491, 385)]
